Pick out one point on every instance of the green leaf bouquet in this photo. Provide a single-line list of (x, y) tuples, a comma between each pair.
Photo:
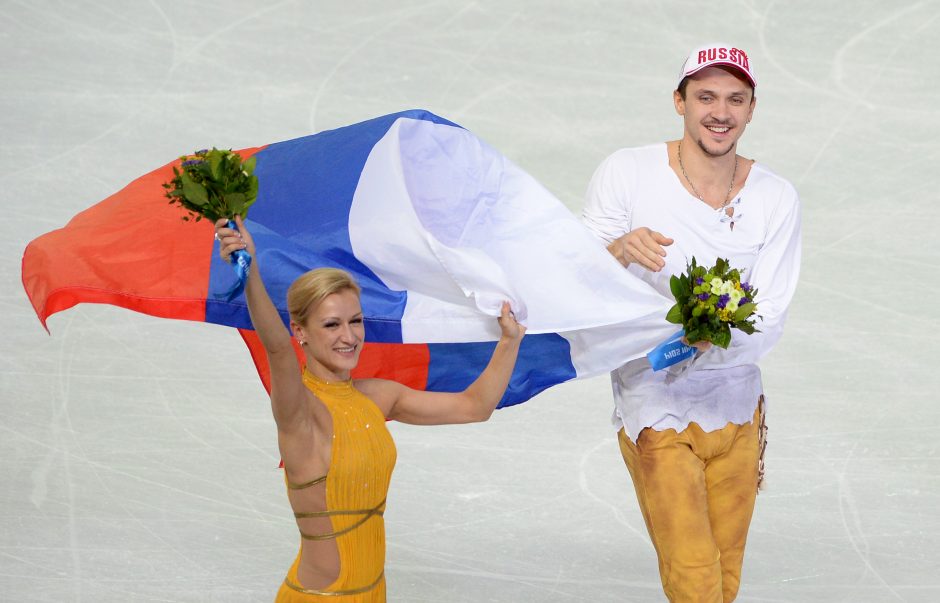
[(712, 301), (213, 184)]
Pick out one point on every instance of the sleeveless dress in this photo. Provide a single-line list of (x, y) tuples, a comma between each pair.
[(363, 456)]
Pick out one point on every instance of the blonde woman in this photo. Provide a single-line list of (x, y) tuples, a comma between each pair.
[(338, 455)]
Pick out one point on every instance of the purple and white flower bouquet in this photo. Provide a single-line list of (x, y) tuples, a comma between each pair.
[(712, 301)]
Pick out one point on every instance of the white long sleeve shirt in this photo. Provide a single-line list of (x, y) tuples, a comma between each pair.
[(636, 187)]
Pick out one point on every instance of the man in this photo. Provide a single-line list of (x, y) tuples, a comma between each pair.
[(692, 436)]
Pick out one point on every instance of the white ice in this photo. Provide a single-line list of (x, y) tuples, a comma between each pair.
[(138, 455)]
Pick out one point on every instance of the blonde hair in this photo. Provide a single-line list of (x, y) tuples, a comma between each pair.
[(311, 288)]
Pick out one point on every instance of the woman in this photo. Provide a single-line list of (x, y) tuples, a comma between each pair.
[(338, 455)]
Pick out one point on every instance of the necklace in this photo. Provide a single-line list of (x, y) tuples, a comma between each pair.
[(734, 173)]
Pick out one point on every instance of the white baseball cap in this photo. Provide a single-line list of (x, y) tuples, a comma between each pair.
[(711, 55)]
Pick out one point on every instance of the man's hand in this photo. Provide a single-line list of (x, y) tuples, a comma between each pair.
[(700, 346), (642, 246)]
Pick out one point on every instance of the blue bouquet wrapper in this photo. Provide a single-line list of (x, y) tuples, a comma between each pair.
[(241, 263), (670, 352)]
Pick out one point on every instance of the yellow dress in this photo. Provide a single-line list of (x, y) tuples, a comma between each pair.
[(363, 456)]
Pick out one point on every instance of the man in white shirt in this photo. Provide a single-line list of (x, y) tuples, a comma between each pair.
[(692, 437)]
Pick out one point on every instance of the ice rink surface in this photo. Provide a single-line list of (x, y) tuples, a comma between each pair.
[(138, 455)]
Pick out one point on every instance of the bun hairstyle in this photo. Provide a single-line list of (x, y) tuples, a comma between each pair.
[(311, 288)]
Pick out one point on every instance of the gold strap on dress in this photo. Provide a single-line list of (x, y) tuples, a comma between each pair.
[(366, 514), (334, 593), (294, 486)]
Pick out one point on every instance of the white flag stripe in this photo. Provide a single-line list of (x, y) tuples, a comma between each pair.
[(442, 215)]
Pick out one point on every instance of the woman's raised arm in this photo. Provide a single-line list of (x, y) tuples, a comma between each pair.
[(288, 393), (474, 404)]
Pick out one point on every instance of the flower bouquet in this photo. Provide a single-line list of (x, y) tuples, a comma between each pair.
[(216, 184), (712, 301), (213, 184)]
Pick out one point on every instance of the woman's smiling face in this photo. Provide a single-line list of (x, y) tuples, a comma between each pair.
[(333, 334)]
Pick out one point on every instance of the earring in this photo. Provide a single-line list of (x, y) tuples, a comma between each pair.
[(301, 341)]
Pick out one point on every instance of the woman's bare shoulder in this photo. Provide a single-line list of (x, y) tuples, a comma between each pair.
[(383, 392)]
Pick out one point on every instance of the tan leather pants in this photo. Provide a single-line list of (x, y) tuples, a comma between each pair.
[(696, 491)]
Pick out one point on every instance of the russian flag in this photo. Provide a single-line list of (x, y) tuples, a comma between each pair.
[(437, 227)]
